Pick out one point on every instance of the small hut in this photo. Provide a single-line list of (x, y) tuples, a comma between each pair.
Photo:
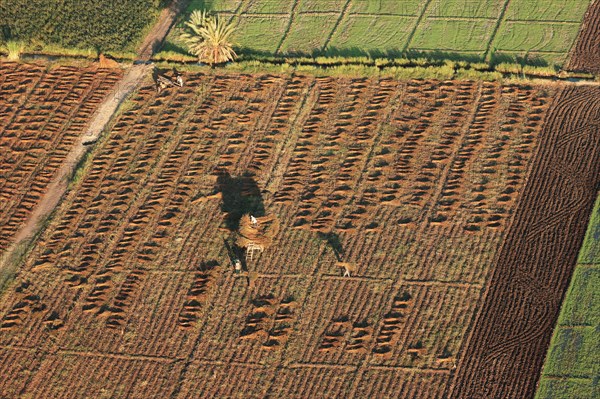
[(257, 233)]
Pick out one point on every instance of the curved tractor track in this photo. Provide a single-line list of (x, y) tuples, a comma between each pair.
[(505, 353)]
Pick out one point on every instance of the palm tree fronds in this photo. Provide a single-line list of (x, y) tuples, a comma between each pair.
[(209, 38)]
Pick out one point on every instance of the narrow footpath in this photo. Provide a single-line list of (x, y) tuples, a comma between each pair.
[(57, 188)]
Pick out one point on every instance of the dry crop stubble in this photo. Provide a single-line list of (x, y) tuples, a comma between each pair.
[(361, 171)]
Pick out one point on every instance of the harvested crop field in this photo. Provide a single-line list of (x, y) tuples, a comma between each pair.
[(43, 113), (410, 187), (585, 55)]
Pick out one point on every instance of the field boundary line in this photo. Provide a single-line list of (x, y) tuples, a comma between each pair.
[(230, 363), (337, 24), (530, 52), (445, 49), (292, 15), (357, 278), (237, 12), (319, 13), (410, 369), (542, 21), (410, 37), (434, 283), (297, 365), (487, 54), (455, 18), (383, 14), (19, 348), (147, 358)]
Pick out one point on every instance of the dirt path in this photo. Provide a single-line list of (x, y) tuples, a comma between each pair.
[(158, 34), (59, 184)]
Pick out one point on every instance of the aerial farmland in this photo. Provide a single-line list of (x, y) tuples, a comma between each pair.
[(299, 199)]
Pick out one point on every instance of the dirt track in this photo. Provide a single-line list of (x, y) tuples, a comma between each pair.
[(505, 352), (166, 19), (59, 183)]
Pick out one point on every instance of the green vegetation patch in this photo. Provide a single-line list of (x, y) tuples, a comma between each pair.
[(531, 36), (250, 33), (573, 352), (101, 25), (321, 5), (568, 388), (214, 5), (393, 7), (465, 8), (572, 367), (308, 34), (371, 33), (582, 304), (459, 30), (271, 7), (590, 253), (547, 10), (453, 35)]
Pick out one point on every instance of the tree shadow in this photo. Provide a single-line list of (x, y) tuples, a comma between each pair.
[(235, 253), (207, 266), (240, 195), (333, 241), (170, 46)]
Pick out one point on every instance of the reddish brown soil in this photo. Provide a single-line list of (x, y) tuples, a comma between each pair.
[(413, 183), (505, 353), (585, 56), (43, 115)]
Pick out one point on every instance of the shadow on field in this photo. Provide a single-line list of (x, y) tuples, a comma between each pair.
[(240, 195), (333, 241), (418, 57)]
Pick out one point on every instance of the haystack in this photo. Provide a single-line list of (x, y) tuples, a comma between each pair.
[(257, 233), (105, 62)]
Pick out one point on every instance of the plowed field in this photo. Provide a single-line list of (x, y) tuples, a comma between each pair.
[(130, 291), (585, 55), (43, 112), (513, 330)]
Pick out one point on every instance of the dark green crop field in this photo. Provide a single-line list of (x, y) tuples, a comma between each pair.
[(84, 24)]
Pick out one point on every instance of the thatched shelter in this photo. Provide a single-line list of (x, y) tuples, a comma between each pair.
[(257, 233)]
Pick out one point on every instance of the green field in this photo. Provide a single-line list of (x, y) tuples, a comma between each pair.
[(572, 368), (539, 31), (77, 24)]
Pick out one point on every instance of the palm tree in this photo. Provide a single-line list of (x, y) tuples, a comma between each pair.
[(209, 38), (193, 38)]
